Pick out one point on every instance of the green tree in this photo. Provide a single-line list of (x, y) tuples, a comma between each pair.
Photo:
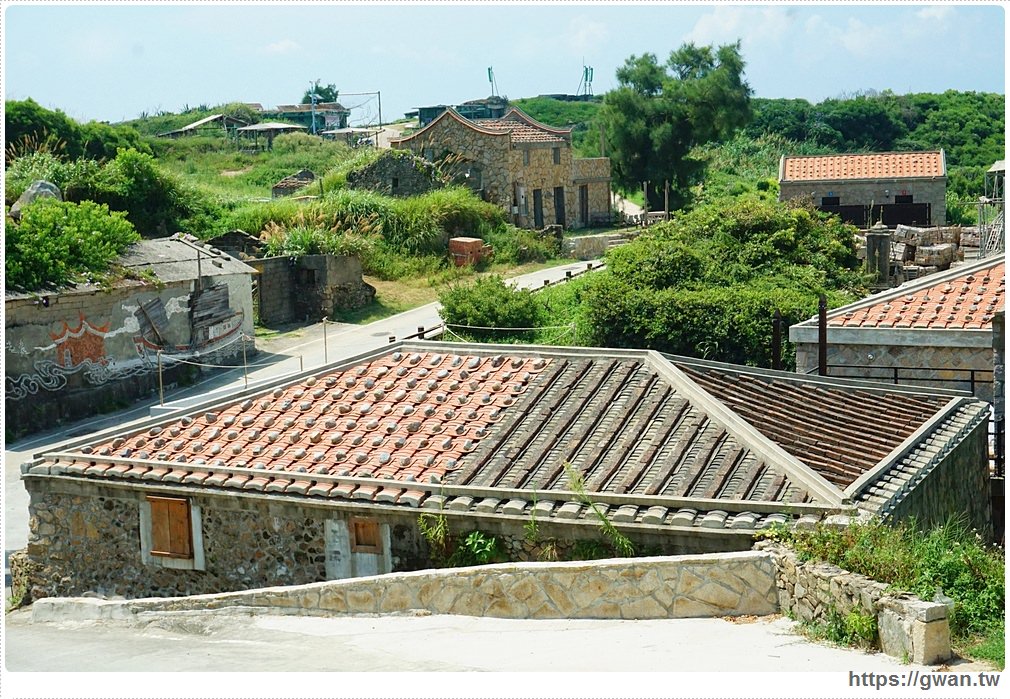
[(490, 303), (659, 112), (324, 93)]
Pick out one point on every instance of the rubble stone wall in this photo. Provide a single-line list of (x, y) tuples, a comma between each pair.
[(907, 627), (866, 192)]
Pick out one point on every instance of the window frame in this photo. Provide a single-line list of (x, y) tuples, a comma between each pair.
[(556, 155), (152, 536), (365, 534)]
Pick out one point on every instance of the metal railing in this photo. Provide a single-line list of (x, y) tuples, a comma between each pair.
[(896, 374)]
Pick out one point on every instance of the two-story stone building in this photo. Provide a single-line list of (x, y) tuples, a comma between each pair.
[(515, 161)]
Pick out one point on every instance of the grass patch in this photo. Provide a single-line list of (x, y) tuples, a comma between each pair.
[(951, 559)]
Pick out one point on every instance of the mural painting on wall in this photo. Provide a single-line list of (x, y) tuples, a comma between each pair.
[(82, 349)]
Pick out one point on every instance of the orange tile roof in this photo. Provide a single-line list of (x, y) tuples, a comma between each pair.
[(964, 302), (520, 131), (868, 166)]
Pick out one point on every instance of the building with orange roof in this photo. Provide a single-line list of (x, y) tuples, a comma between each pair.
[(524, 166), (862, 188), (934, 331), (330, 473)]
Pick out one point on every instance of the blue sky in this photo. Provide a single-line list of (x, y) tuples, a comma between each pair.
[(113, 62)]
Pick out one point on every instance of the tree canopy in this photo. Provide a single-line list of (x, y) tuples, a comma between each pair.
[(659, 112), (324, 93)]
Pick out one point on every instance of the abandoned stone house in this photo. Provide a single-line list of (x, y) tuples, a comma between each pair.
[(71, 351), (935, 331), (396, 173), (864, 188), (526, 167), (324, 475), (327, 115), (287, 186)]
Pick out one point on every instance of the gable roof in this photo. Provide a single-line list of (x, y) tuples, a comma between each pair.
[(862, 166), (962, 298), (519, 126), (486, 426)]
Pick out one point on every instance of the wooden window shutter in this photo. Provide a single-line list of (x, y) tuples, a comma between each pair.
[(365, 536), (171, 530)]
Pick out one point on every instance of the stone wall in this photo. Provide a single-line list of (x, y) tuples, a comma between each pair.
[(866, 192), (728, 584), (907, 627), (396, 174), (309, 287), (950, 364), (488, 151), (85, 536), (591, 247), (71, 354)]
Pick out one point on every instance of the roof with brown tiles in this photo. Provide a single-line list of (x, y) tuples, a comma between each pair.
[(862, 166), (520, 127), (963, 298), (697, 440)]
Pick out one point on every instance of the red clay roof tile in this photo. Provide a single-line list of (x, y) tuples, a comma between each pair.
[(968, 301), (862, 166)]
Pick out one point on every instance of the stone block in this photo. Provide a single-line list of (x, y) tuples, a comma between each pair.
[(930, 642)]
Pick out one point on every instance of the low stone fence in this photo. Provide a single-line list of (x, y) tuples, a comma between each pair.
[(725, 584), (591, 247), (760, 582), (907, 627)]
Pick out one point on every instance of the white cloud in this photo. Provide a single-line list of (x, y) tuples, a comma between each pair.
[(282, 46), (727, 24), (935, 13), (584, 35)]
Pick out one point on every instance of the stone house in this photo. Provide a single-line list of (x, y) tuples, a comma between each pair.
[(324, 475), (73, 352), (308, 288), (936, 331), (863, 188), (396, 173), (524, 166)]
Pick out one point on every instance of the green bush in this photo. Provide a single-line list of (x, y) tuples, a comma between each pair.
[(56, 243), (949, 558), (489, 303)]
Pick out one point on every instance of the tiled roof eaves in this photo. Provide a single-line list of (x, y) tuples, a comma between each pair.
[(891, 486), (667, 516), (831, 180), (891, 156), (67, 463), (912, 287), (914, 440), (747, 434)]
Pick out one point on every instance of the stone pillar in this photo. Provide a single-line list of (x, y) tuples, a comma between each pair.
[(878, 255)]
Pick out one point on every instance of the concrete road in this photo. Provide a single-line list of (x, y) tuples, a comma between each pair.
[(236, 640)]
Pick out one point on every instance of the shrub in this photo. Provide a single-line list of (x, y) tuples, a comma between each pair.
[(490, 303), (56, 243)]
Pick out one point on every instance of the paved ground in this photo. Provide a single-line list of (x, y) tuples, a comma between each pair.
[(235, 640)]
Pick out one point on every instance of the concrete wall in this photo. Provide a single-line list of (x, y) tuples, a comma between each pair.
[(907, 627), (85, 351), (866, 192), (948, 363)]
